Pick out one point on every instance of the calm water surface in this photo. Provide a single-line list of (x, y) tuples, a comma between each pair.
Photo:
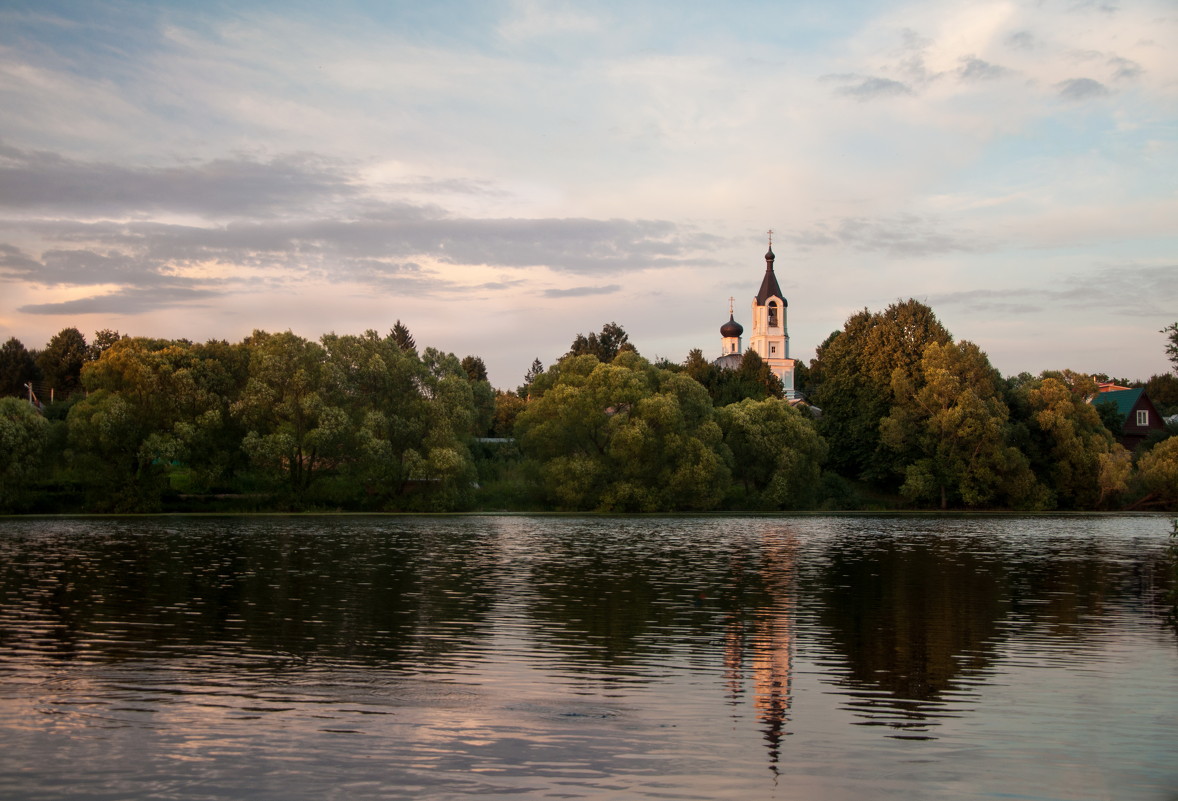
[(674, 658)]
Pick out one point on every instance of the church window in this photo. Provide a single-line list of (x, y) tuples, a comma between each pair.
[(772, 349), (772, 314)]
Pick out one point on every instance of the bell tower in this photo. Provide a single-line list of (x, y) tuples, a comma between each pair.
[(770, 337)]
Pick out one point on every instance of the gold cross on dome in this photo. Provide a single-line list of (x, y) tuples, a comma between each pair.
[(770, 237), (731, 300)]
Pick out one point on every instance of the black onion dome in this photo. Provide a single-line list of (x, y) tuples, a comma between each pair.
[(731, 328)]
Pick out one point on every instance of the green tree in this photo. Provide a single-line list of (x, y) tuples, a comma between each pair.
[(102, 340), (953, 434), (17, 367), (62, 360), (483, 394), (623, 436), (155, 403), (612, 340), (1071, 451), (404, 340), (22, 440), (752, 379), (297, 430), (776, 453), (413, 416), (534, 372), (1157, 475), (1163, 391), (1171, 332), (853, 374)]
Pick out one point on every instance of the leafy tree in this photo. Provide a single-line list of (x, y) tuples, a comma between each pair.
[(17, 367), (1171, 332), (62, 360), (623, 436), (1163, 391), (412, 416), (296, 428), (1070, 449), (475, 369), (1157, 475), (853, 373), (612, 340), (953, 434), (22, 440), (776, 453), (119, 455), (102, 340), (153, 403), (508, 405), (534, 372), (752, 379)]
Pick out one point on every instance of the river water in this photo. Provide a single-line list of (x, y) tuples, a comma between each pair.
[(588, 658)]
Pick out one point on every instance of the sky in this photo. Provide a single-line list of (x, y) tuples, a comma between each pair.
[(503, 175)]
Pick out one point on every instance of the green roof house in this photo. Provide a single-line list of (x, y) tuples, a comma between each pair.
[(1139, 417)]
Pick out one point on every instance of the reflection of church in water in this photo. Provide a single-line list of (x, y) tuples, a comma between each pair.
[(759, 643), (770, 334)]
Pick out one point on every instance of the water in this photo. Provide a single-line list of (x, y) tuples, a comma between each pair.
[(587, 658)]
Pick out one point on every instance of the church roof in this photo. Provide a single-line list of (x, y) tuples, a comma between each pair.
[(731, 328), (769, 286)]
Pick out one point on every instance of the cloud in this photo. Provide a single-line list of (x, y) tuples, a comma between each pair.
[(130, 300), (902, 236), (581, 291), (1081, 89), (1124, 69), (865, 88), (1130, 289), (1021, 40), (44, 181), (974, 69)]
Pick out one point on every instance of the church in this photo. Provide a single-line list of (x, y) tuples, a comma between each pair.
[(770, 335)]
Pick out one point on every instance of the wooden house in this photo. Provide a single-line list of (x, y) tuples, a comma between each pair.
[(1139, 417)]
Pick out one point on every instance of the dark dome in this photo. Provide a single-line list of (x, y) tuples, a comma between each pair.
[(731, 328)]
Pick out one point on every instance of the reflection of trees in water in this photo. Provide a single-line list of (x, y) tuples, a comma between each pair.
[(910, 622), (622, 600), (919, 621), (292, 590)]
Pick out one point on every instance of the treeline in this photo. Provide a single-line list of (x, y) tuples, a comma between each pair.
[(899, 416)]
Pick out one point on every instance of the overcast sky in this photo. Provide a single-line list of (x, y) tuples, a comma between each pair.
[(501, 176)]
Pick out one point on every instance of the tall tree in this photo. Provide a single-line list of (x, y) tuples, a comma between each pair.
[(22, 439), (17, 367), (400, 335), (855, 370), (623, 436), (102, 340), (534, 372), (62, 360), (953, 434), (1171, 332), (1069, 448), (297, 429), (776, 453), (612, 340)]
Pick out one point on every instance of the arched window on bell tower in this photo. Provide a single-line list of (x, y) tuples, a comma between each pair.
[(773, 314)]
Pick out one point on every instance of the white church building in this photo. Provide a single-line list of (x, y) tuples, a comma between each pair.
[(770, 334)]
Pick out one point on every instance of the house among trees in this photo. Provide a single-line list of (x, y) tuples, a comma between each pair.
[(1137, 415)]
